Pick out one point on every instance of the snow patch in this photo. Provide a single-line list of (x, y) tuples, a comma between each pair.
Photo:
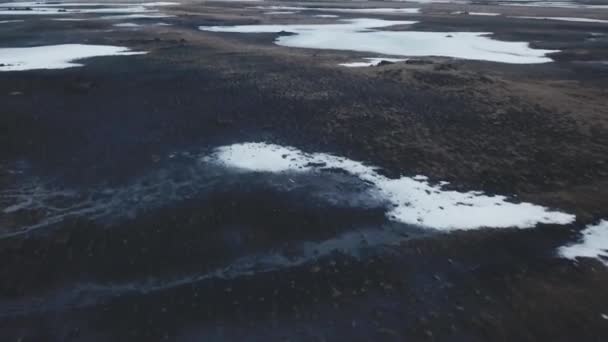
[(594, 244), (372, 61), (364, 35), (415, 200), (55, 56)]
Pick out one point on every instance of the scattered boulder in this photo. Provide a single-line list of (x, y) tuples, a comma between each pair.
[(385, 62)]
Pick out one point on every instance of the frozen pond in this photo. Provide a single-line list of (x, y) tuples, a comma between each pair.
[(365, 35), (55, 56)]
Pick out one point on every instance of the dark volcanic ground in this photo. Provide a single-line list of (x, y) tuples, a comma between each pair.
[(133, 238)]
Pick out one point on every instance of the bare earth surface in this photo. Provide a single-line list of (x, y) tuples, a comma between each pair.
[(138, 125)]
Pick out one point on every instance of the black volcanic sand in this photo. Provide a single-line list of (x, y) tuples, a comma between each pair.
[(223, 256)]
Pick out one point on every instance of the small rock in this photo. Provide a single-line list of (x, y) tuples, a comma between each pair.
[(383, 63)]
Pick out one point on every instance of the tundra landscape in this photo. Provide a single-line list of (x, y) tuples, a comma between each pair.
[(260, 170)]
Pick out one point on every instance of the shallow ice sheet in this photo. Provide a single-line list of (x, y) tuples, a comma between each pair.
[(372, 61), (594, 244), (326, 16), (581, 20), (344, 10), (10, 21), (414, 200), (55, 56), (364, 35)]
